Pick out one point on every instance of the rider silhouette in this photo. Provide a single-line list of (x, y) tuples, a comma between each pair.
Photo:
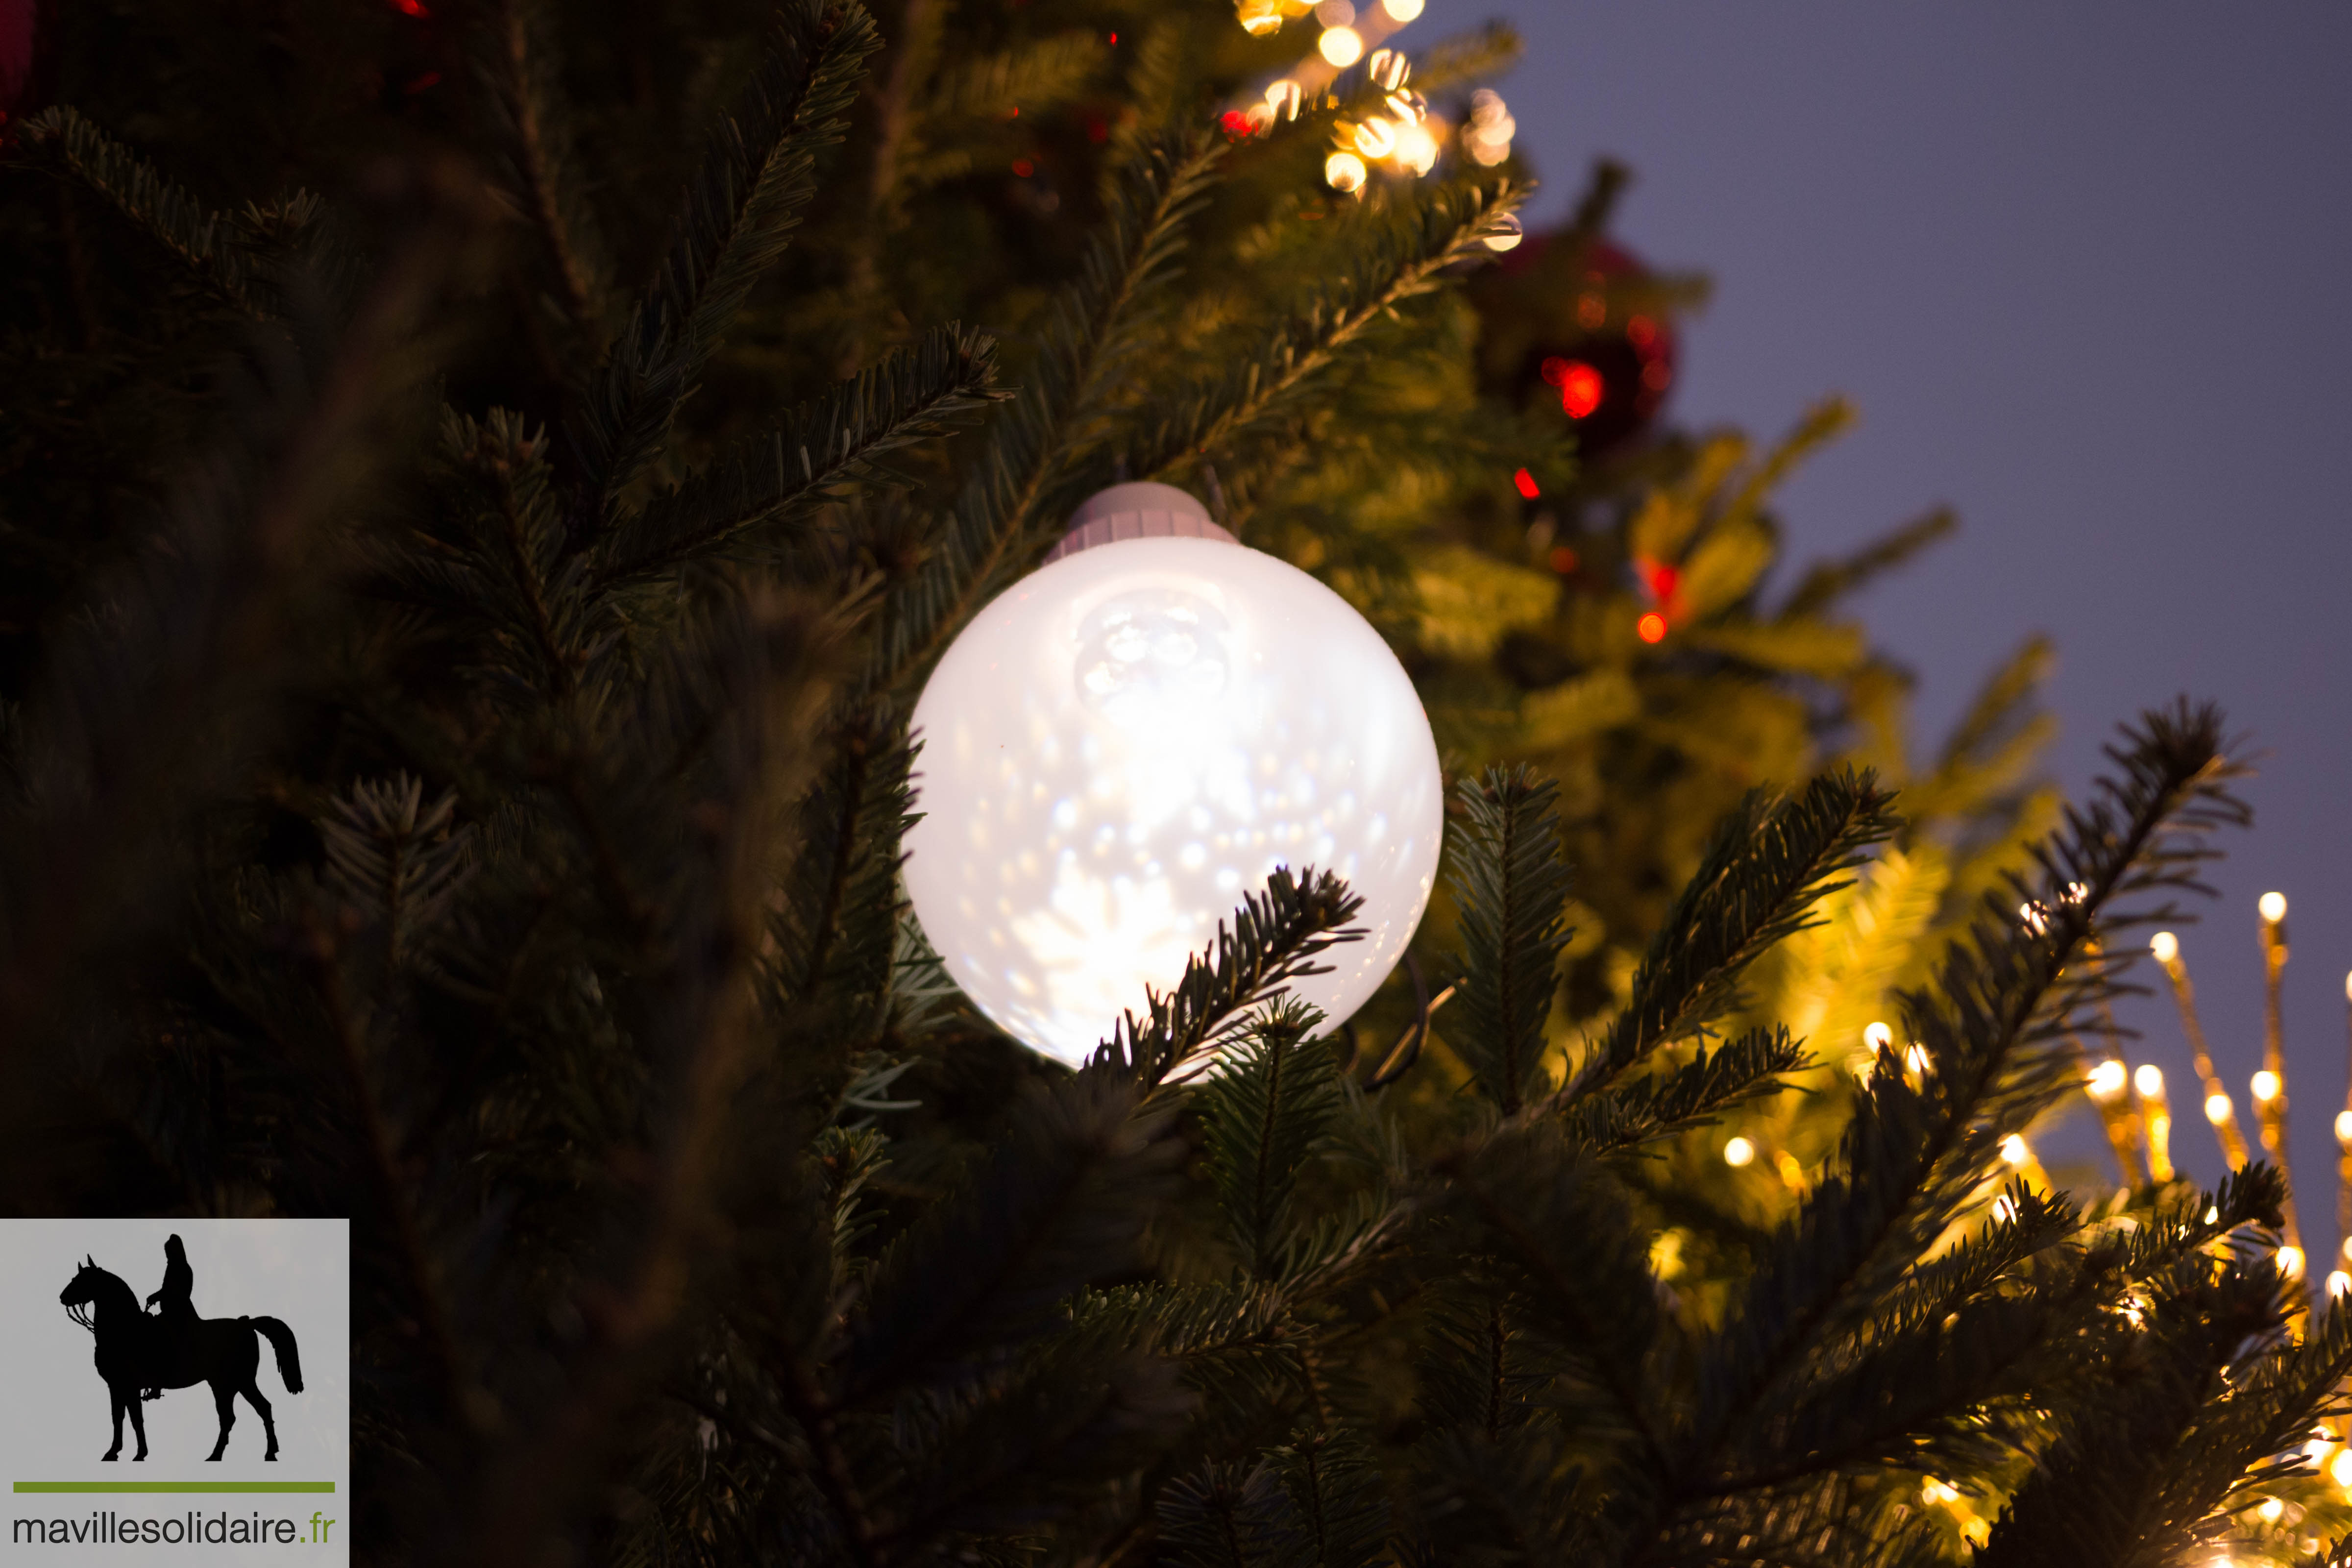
[(178, 1317)]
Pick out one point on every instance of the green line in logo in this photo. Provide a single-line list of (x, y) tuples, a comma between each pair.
[(175, 1486)]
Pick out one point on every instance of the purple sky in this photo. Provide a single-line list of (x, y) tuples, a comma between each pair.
[(2087, 270)]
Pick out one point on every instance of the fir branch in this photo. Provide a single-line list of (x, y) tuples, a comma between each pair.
[(1993, 1029), (1274, 938), (154, 700), (523, 83), (751, 494), (1694, 1093), (1769, 864), (1826, 582), (219, 250), (1264, 1108), (1063, 1198), (1512, 889), (395, 858), (1398, 260), (1015, 491), (742, 209)]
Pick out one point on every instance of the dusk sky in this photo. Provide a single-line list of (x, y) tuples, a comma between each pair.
[(2087, 270)]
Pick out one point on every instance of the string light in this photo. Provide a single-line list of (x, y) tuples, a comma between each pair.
[(2165, 945), (2217, 1108), (1918, 1059), (1343, 172), (2013, 1150), (1506, 236), (2266, 1086), (2340, 1467), (1738, 1151), (2272, 1511), (2338, 1282), (1343, 46), (2290, 1262), (2106, 1079), (2148, 1081), (1877, 1037), (2272, 907), (1487, 136), (1376, 138), (1401, 11), (1650, 628)]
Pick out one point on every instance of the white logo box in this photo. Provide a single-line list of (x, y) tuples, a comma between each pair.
[(67, 1505)]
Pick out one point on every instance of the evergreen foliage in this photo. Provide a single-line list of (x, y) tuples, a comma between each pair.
[(455, 763)]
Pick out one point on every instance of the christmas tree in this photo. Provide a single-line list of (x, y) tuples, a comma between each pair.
[(460, 637)]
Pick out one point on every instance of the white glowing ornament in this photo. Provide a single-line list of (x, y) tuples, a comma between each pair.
[(1132, 737)]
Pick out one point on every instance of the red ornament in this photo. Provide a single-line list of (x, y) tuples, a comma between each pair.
[(1579, 326)]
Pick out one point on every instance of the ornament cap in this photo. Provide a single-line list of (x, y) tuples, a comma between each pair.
[(1143, 509)]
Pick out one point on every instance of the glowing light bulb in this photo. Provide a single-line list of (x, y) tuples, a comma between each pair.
[(2274, 907), (2266, 1087), (1918, 1059), (1738, 1151), (2014, 1152), (1506, 236), (1376, 138), (2217, 1108), (2340, 1468), (1389, 67), (1343, 46), (2272, 1511), (2344, 1127), (1260, 17), (2338, 1282), (1416, 149), (2347, 987), (1402, 10), (2003, 1208), (1650, 628), (2149, 1079), (1135, 735), (1283, 96), (2348, 1248), (1343, 172), (2106, 1079), (2290, 1262), (2033, 917), (1877, 1037), (2165, 945), (1937, 1491), (2212, 1215)]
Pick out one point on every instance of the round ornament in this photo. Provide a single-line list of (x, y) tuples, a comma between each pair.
[(1130, 739), (1581, 328)]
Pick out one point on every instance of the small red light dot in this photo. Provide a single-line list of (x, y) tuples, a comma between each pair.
[(1563, 559), (1526, 483), (411, 7), (1016, 114), (1650, 628), (1024, 167), (1580, 389), (1643, 330), (1114, 40)]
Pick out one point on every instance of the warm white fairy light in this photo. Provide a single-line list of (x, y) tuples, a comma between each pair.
[(2014, 1152), (1343, 46), (2266, 1086), (2338, 1282), (2165, 945), (1918, 1059), (1416, 150), (2272, 907), (1877, 1037), (2148, 1078), (2106, 1079), (1738, 1151), (1401, 11), (1507, 233), (1343, 172), (2217, 1108), (2004, 1208), (1487, 135), (2290, 1262), (1935, 1490), (2213, 1216)]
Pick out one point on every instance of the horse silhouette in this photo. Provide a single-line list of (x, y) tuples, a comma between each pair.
[(136, 1351)]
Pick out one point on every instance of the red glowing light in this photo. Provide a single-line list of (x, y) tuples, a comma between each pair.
[(1591, 310), (411, 8), (1643, 330), (1659, 579), (1580, 388), (1114, 40), (1234, 123), (1563, 559), (1650, 628), (1526, 483), (1024, 167)]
